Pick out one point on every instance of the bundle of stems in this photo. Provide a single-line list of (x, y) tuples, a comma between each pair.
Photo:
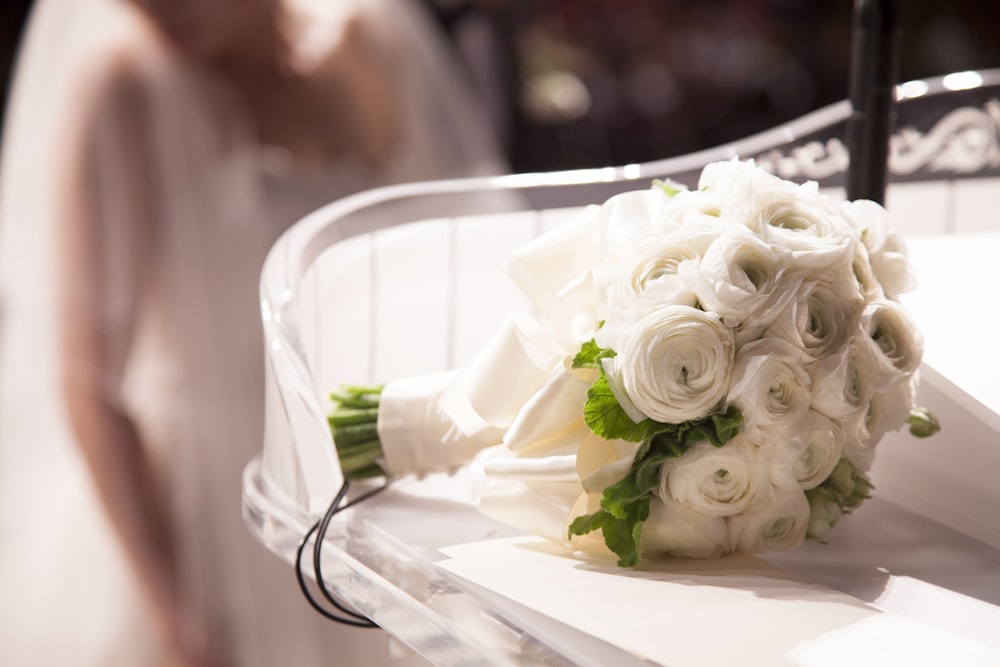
[(354, 424)]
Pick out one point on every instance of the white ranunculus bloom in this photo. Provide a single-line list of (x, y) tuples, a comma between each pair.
[(844, 383), (806, 222), (888, 410), (895, 338), (716, 481), (814, 233), (624, 221), (674, 529), (820, 319), (675, 363), (864, 274), (770, 386), (795, 216), (652, 270), (807, 456), (778, 523), (857, 449), (886, 249), (734, 183), (743, 280)]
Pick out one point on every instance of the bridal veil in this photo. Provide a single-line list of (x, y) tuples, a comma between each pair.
[(177, 306)]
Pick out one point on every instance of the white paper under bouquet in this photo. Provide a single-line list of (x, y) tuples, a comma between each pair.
[(703, 372)]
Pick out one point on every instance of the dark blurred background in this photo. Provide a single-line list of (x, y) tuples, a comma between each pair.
[(585, 83)]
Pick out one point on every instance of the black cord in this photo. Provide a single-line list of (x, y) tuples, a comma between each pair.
[(346, 616)]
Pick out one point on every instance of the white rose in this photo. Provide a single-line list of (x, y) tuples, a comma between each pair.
[(770, 386), (716, 481), (886, 248), (807, 457), (776, 524), (895, 337), (743, 280), (674, 364), (674, 529), (820, 319)]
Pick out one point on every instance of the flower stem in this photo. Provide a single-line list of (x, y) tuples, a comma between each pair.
[(354, 425)]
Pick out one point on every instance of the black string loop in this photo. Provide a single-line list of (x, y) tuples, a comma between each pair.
[(343, 614)]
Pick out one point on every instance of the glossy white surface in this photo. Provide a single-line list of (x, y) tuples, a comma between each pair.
[(355, 295)]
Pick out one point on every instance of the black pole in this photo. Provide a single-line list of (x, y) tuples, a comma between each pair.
[(873, 76)]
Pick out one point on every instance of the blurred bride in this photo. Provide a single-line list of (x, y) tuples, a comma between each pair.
[(153, 153)]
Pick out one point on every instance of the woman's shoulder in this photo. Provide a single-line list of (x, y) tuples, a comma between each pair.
[(121, 69), (321, 32)]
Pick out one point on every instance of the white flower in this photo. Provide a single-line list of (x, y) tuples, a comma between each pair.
[(743, 280), (894, 336), (624, 222), (888, 410), (868, 285), (886, 249), (845, 383), (806, 222), (820, 319), (752, 293), (649, 275), (716, 481), (770, 386), (807, 456), (674, 364), (781, 212), (674, 529), (778, 523)]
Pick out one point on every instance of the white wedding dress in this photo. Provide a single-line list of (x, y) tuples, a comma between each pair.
[(183, 312)]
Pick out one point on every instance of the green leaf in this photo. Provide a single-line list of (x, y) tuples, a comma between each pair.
[(718, 429), (622, 536), (670, 189), (606, 418), (638, 483), (625, 504), (590, 355)]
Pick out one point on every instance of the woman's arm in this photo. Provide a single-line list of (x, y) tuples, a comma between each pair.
[(105, 251)]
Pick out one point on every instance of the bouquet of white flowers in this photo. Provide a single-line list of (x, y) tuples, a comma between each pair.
[(704, 371)]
